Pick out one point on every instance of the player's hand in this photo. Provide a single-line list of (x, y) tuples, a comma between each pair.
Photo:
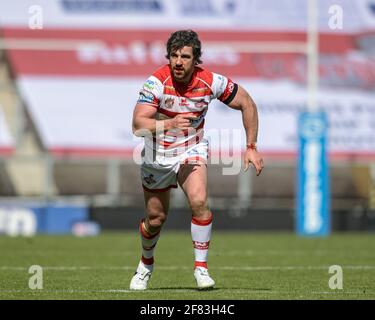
[(183, 121), (252, 156)]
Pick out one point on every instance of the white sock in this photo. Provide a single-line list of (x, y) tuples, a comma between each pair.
[(201, 235)]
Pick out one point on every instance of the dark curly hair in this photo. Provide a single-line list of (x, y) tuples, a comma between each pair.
[(182, 38)]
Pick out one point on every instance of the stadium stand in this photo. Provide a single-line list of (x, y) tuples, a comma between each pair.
[(24, 170), (6, 145)]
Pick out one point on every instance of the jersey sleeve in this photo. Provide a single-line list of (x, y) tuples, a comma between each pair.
[(223, 88), (151, 92)]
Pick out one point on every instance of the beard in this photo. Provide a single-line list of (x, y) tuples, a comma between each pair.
[(179, 73)]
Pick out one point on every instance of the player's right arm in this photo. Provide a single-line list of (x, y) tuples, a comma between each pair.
[(144, 122), (146, 109)]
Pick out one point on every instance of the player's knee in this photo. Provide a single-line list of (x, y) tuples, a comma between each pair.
[(199, 206), (157, 222)]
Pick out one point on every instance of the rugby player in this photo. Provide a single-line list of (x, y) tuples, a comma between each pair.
[(170, 114)]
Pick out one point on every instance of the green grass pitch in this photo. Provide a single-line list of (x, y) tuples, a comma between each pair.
[(246, 265)]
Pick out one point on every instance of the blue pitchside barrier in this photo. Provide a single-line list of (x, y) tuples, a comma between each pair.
[(29, 219), (313, 196)]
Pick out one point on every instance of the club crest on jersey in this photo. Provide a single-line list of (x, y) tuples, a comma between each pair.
[(149, 179), (169, 102)]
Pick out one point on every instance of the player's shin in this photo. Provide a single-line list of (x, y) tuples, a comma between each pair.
[(201, 235), (149, 241)]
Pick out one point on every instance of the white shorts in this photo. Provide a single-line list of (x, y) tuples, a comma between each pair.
[(159, 172)]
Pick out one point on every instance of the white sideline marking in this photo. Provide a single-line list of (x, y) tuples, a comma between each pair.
[(192, 290), (97, 291), (214, 252), (239, 268), (287, 252)]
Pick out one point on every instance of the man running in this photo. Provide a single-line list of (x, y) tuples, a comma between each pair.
[(170, 114)]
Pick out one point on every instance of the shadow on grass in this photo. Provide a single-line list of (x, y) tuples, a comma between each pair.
[(209, 289)]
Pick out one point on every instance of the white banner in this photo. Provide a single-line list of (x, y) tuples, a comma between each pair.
[(85, 115)]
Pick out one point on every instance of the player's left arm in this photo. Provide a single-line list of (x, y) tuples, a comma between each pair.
[(242, 101)]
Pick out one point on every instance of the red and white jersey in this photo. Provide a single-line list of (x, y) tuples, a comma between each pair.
[(172, 98)]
